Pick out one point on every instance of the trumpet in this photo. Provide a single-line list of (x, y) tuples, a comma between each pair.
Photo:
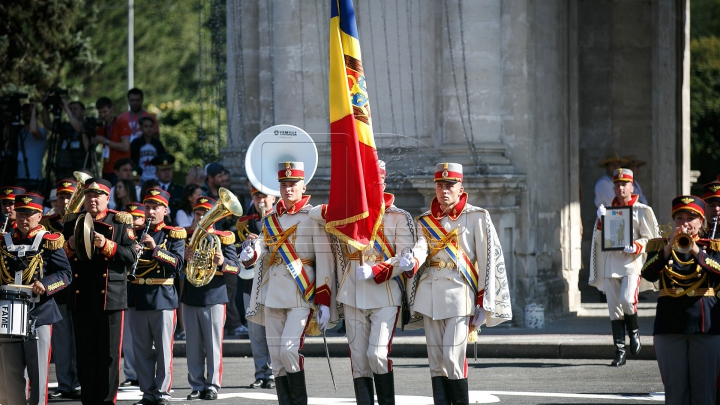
[(683, 243)]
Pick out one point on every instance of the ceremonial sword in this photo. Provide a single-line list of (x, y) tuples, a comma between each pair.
[(327, 355)]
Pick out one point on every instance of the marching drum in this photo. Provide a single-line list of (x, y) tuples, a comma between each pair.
[(14, 321)]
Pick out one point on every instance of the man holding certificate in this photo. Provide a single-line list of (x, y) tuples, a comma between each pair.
[(617, 256)]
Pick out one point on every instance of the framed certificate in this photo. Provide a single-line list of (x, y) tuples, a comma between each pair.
[(617, 228)]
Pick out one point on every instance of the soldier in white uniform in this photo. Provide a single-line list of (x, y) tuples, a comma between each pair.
[(371, 295), (461, 258), (295, 275), (617, 273)]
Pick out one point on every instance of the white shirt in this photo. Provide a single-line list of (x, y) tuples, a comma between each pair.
[(604, 191), (183, 219)]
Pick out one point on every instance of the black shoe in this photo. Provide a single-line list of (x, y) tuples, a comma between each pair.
[(341, 329), (210, 395), (145, 401), (77, 394), (162, 401), (385, 386), (61, 394), (129, 383), (441, 391), (269, 383), (364, 391), (258, 383), (618, 331), (282, 387), (298, 390), (195, 395), (459, 389), (633, 330)]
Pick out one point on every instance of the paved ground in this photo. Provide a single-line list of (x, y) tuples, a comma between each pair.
[(504, 381)]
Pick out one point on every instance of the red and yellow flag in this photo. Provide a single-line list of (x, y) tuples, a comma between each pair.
[(356, 195)]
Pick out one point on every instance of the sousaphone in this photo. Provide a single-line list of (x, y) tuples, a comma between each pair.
[(279, 143)]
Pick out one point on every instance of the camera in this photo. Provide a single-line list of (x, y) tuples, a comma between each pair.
[(90, 125), (10, 107), (54, 100)]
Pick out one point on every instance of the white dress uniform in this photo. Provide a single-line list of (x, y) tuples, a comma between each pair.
[(617, 273), (372, 307), (283, 300), (445, 296)]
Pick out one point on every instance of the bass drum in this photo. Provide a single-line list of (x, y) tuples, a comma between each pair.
[(14, 319), (279, 143)]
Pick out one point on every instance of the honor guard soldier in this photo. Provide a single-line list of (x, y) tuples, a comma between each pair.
[(7, 203), (617, 273), (711, 196), (371, 295), (164, 172), (686, 334), (162, 257), (459, 251), (250, 227), (137, 210), (295, 252), (63, 338), (204, 312), (100, 287), (33, 258)]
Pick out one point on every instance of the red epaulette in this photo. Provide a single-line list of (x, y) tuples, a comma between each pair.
[(52, 236)]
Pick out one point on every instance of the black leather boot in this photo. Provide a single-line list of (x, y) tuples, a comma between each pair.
[(618, 331), (282, 386), (633, 330), (459, 389), (441, 391), (385, 385), (364, 391), (298, 391)]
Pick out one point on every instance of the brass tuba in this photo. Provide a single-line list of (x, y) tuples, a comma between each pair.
[(78, 196), (200, 269)]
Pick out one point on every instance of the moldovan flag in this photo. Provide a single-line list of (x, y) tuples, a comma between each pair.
[(356, 203)]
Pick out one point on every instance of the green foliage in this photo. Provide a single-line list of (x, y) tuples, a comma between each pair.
[(42, 40), (705, 106), (179, 127), (704, 18)]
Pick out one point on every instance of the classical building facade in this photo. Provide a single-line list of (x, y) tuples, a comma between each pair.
[(527, 95)]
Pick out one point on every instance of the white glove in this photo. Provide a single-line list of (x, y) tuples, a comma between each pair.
[(247, 254), (407, 262), (323, 317), (601, 211), (364, 272), (476, 318), (629, 249)]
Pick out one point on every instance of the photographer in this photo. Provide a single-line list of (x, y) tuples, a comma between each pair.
[(31, 148), (70, 147)]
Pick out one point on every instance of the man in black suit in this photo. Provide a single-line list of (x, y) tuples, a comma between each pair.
[(99, 287), (164, 171)]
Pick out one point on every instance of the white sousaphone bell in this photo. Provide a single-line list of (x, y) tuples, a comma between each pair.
[(279, 143)]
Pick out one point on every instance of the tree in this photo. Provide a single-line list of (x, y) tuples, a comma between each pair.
[(40, 41), (705, 107)]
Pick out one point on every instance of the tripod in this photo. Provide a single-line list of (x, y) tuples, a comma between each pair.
[(52, 141), (9, 155), (91, 155)]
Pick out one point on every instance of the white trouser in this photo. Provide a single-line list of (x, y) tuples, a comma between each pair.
[(369, 334), (622, 296), (285, 330), (447, 346)]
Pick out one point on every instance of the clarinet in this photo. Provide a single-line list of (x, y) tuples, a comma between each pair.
[(7, 220), (131, 275), (715, 222)]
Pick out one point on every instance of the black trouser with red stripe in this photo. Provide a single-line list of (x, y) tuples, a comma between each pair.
[(98, 338)]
